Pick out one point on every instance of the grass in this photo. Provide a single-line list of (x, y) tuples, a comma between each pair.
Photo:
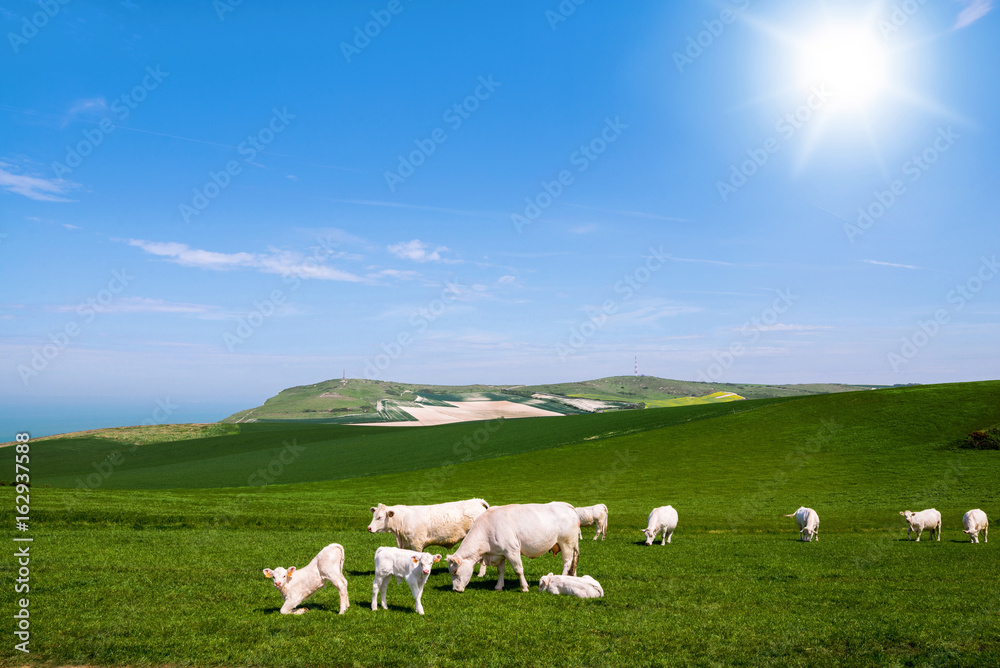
[(180, 568)]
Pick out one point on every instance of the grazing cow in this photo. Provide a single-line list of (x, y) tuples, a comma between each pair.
[(296, 585), (662, 519), (975, 521), (504, 533), (414, 567), (808, 522), (416, 527), (598, 515), (582, 587), (925, 519)]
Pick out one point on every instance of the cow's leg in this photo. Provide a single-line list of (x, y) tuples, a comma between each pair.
[(939, 533), (515, 561), (384, 589), (919, 531), (482, 568), (375, 591), (986, 533), (340, 582), (417, 589), (501, 567)]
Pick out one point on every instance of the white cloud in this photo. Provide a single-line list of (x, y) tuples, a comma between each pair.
[(146, 305), (417, 251), (285, 263), (974, 10), (891, 264), (34, 187)]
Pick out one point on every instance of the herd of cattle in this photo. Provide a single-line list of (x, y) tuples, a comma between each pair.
[(501, 534)]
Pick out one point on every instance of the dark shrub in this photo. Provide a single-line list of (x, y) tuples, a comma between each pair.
[(986, 439)]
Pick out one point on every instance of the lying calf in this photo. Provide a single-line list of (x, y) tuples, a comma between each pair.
[(581, 587), (296, 585), (414, 567)]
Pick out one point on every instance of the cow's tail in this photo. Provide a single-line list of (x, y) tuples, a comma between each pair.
[(485, 505), (792, 515)]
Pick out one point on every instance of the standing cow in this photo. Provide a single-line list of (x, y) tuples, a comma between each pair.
[(590, 515), (413, 567), (925, 519), (504, 533), (808, 522), (975, 521), (416, 527), (662, 519)]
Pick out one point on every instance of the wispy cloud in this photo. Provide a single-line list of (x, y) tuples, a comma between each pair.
[(132, 305), (973, 11), (417, 251), (285, 263), (418, 207), (34, 187), (632, 214), (94, 106), (892, 264)]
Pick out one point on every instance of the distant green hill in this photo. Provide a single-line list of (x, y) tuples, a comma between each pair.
[(358, 400)]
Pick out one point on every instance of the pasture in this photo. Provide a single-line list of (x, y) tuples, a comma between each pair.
[(156, 567)]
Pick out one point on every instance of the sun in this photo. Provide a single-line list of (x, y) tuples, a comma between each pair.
[(849, 62)]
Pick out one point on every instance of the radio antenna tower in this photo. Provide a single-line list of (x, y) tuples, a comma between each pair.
[(636, 366)]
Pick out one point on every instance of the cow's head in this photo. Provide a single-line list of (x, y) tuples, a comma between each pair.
[(280, 576), (380, 519), (908, 514), (461, 571), (650, 535), (543, 583), (424, 561), (973, 535)]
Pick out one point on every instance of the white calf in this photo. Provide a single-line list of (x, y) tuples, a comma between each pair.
[(581, 587), (925, 519), (296, 585), (590, 515), (661, 519), (975, 521), (414, 567), (808, 522)]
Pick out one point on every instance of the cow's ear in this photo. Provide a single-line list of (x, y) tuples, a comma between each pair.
[(268, 573), (416, 559), (457, 559), (437, 558), (390, 513), (373, 510), (290, 571)]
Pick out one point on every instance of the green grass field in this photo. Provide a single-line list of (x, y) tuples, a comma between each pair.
[(161, 563)]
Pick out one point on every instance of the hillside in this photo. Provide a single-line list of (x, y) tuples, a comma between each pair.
[(360, 401), (735, 586)]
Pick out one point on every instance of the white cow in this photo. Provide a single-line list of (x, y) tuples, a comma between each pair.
[(662, 519), (925, 519), (504, 533), (808, 522), (413, 567), (975, 521), (296, 585), (581, 587), (416, 527), (590, 515)]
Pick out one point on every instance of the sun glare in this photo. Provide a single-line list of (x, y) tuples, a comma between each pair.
[(849, 62)]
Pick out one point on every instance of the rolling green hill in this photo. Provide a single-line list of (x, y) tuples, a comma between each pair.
[(355, 400)]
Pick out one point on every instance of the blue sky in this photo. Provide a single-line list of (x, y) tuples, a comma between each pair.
[(212, 202)]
